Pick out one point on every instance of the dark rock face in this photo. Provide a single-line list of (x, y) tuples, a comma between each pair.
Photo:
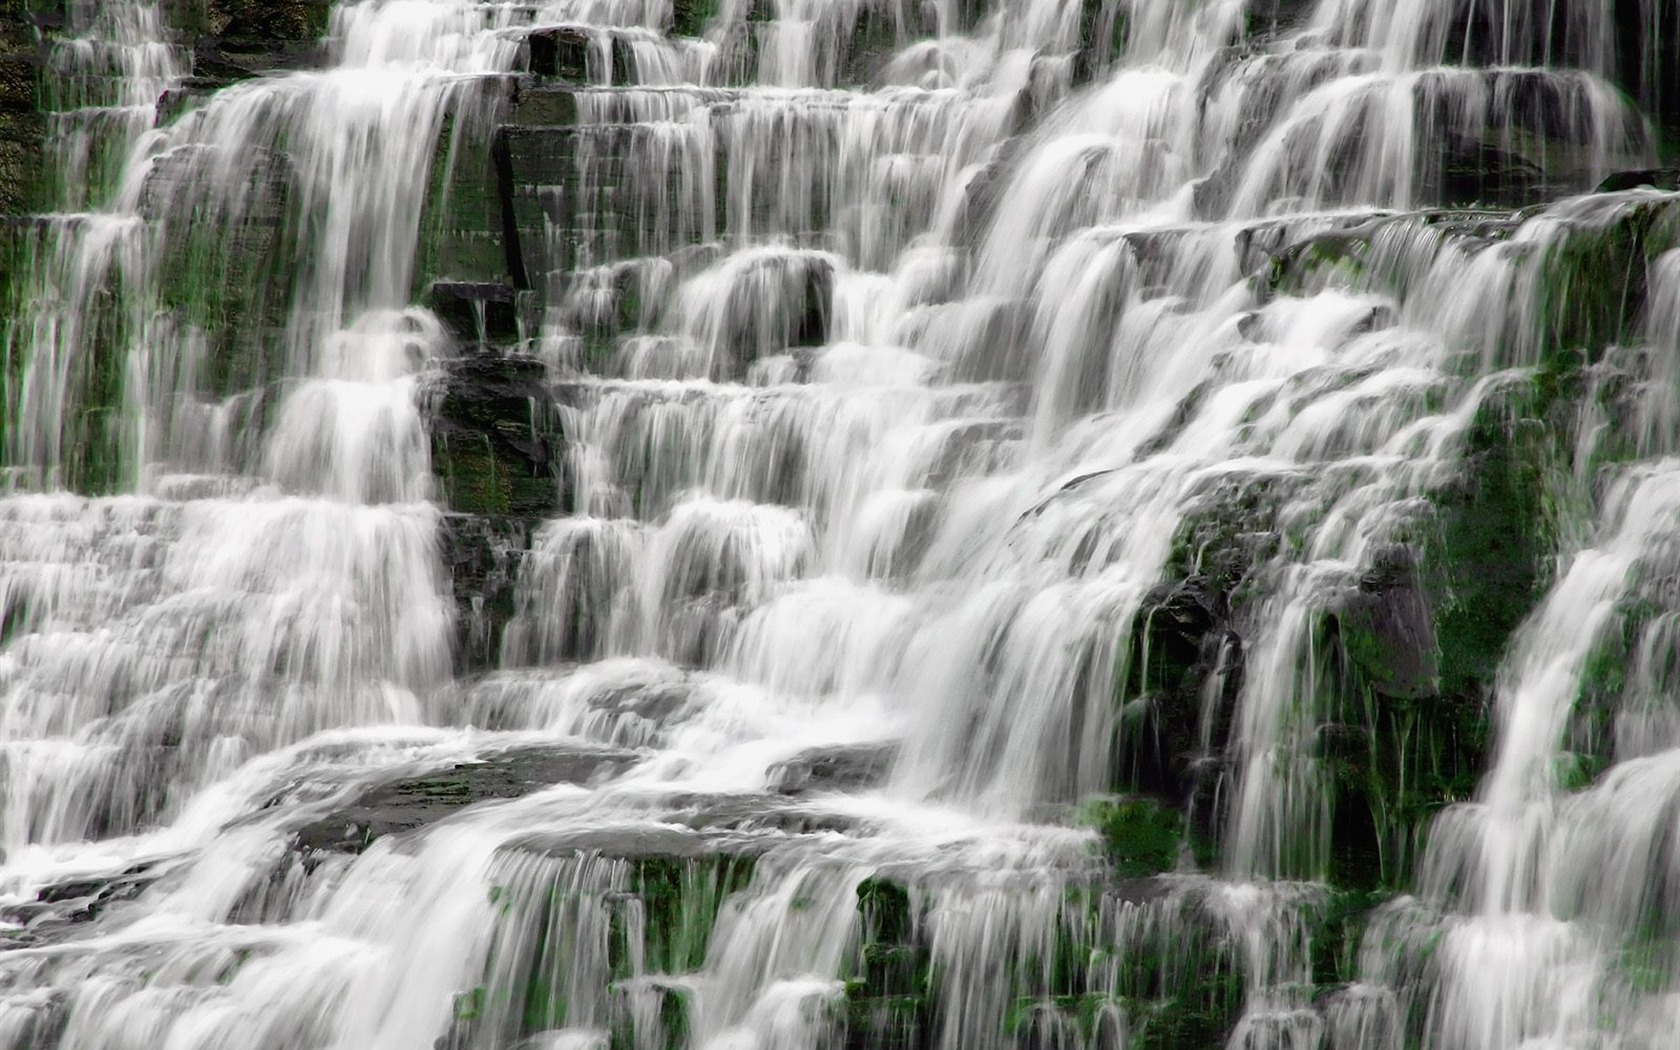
[(1651, 178), (1184, 640), (23, 127), (476, 312), (265, 20), (417, 802), (1386, 629), (482, 555), (494, 442)]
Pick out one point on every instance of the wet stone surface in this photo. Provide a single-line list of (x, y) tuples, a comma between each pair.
[(416, 802)]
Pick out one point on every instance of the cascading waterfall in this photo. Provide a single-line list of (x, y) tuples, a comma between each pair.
[(1095, 525)]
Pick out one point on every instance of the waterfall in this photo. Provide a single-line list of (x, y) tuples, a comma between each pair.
[(817, 524)]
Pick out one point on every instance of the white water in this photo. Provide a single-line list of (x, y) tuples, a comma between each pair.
[(915, 413)]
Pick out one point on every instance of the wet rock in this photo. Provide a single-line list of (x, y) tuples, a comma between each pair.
[(559, 51), (537, 104), (689, 17), (984, 192), (1470, 171), (494, 439), (1386, 628), (1648, 65), (265, 20), (235, 39), (1298, 266), (1273, 16), (58, 909), (838, 768), (1643, 178), (573, 53), (752, 814), (483, 556), (629, 842), (476, 312), (416, 802), (1182, 641)]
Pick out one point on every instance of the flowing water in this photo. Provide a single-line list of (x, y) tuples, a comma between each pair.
[(1067, 532)]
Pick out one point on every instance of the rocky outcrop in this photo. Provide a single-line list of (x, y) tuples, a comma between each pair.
[(23, 125), (495, 442), (497, 457), (59, 909), (417, 802), (234, 39)]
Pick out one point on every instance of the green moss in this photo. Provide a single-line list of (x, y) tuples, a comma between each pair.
[(873, 44), (469, 1005), (886, 911), (689, 17), (472, 481), (1328, 260), (1103, 27), (461, 220), (1338, 927), (680, 898), (549, 921), (1591, 286), (1495, 530), (891, 984), (1139, 837)]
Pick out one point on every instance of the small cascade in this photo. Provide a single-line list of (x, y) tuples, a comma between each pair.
[(100, 83), (802, 524)]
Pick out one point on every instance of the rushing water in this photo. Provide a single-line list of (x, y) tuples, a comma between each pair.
[(899, 355)]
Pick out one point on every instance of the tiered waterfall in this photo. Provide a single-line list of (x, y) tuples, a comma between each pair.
[(839, 525)]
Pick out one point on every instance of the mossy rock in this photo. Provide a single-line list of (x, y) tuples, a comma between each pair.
[(638, 903), (22, 160), (1138, 837), (277, 20), (1494, 533), (1181, 639), (494, 441), (1337, 928), (689, 17), (891, 987), (1591, 283), (1103, 28), (415, 802), (1414, 654), (1186, 635), (1385, 627)]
